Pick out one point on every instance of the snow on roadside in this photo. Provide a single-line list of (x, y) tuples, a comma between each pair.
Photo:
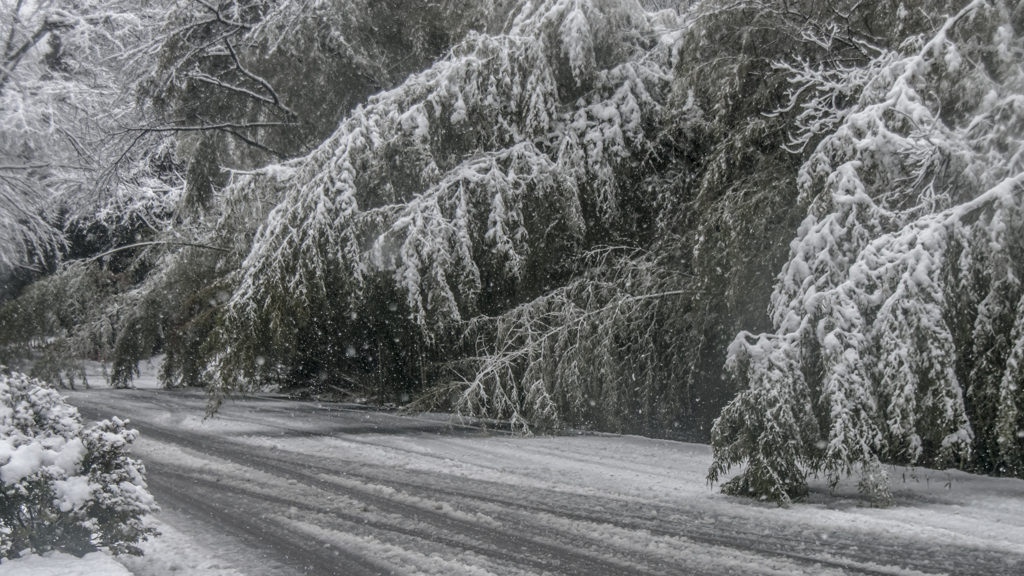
[(173, 553), (55, 563)]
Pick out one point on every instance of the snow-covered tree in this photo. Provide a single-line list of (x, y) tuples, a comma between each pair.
[(273, 82), (66, 105), (76, 176), (465, 187), (149, 189), (599, 352), (274, 77), (80, 309), (913, 198)]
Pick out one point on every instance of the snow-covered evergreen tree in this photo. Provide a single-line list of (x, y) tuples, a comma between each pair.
[(914, 202), (270, 79), (598, 352), (466, 187), (157, 220)]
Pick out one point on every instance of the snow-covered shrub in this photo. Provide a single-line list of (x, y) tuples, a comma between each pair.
[(903, 275), (65, 486)]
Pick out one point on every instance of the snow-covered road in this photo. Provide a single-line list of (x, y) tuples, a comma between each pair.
[(276, 487)]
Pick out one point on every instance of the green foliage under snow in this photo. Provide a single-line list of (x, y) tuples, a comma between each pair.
[(65, 486), (900, 277)]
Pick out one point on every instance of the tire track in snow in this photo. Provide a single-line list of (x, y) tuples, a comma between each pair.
[(290, 551), (368, 523), (566, 556), (480, 538), (584, 534), (491, 543), (470, 495)]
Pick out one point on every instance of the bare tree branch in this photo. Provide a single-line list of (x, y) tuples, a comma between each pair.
[(266, 85), (156, 243)]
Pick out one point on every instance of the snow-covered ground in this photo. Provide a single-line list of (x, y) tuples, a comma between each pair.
[(96, 374), (176, 552), (57, 564), (172, 553), (272, 486)]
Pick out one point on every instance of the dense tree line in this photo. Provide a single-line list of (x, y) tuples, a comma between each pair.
[(792, 228)]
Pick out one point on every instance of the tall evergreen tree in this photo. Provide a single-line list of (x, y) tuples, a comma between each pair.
[(913, 203), (414, 192)]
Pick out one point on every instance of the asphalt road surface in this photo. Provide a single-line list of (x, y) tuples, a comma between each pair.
[(279, 487)]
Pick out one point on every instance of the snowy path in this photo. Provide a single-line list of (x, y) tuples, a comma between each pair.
[(279, 487)]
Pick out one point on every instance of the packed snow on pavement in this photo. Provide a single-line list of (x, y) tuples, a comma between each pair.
[(273, 486)]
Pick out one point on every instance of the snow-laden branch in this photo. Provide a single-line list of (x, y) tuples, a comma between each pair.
[(67, 74), (589, 353), (445, 182), (904, 205)]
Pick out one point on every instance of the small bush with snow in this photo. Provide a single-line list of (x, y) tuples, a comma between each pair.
[(65, 486)]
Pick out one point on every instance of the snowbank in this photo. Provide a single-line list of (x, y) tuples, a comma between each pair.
[(55, 563)]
